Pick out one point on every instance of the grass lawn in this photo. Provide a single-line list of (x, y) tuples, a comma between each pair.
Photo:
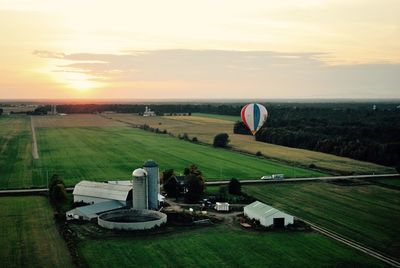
[(368, 214), (28, 235), (112, 153), (224, 247), (206, 126), (15, 152)]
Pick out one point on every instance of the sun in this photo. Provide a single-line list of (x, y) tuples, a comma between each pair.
[(79, 81)]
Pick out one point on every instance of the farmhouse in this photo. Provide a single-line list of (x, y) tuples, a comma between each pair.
[(267, 215), (96, 192)]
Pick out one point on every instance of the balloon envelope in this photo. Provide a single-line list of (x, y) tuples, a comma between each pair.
[(254, 116)]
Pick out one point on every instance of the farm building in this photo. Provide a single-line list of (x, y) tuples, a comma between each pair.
[(221, 206), (93, 211), (96, 192), (267, 215)]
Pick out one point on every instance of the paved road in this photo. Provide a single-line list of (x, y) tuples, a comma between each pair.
[(379, 176), (354, 245)]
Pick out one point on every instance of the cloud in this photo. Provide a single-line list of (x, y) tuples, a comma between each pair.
[(48, 54), (239, 73)]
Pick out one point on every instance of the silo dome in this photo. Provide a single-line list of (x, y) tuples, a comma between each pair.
[(139, 172)]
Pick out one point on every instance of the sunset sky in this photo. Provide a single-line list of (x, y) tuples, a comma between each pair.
[(199, 49)]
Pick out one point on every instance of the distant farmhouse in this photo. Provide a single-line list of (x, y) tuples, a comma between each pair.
[(148, 112), (267, 215)]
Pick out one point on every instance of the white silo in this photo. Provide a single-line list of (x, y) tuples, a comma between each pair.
[(140, 192), (153, 177)]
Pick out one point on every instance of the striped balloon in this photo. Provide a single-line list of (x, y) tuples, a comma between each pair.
[(254, 116)]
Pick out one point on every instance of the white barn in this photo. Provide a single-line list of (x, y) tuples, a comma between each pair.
[(96, 192), (267, 215)]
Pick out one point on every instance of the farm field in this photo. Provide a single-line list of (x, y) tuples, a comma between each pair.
[(28, 236), (15, 152), (206, 126), (110, 153), (365, 213), (74, 120), (222, 247)]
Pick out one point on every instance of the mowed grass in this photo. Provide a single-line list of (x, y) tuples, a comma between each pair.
[(15, 152), (206, 126), (113, 153), (367, 213), (28, 235), (223, 247)]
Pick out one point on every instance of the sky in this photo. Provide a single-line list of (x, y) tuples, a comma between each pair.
[(184, 49)]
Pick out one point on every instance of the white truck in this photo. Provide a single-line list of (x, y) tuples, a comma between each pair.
[(273, 177)]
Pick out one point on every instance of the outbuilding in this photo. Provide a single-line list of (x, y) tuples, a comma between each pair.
[(221, 206), (267, 215), (96, 192)]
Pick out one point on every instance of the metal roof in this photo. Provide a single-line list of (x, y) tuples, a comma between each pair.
[(150, 163), (261, 209), (102, 190), (99, 208), (139, 172)]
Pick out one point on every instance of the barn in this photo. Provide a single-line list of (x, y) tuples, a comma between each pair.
[(96, 192), (267, 215)]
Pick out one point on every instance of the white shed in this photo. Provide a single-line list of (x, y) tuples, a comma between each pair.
[(219, 206), (267, 215), (97, 192)]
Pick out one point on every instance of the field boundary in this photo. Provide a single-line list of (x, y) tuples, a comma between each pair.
[(35, 153)]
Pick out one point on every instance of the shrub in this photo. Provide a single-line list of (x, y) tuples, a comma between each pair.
[(221, 140), (259, 153), (194, 139)]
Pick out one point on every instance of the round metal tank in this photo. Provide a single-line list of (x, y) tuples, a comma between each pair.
[(153, 177), (140, 193), (129, 220)]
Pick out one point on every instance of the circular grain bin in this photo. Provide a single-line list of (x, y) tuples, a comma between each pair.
[(129, 219)]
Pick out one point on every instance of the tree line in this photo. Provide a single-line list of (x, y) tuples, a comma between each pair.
[(363, 134)]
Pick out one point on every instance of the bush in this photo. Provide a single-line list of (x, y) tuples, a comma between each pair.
[(259, 153), (194, 139), (221, 140), (398, 169)]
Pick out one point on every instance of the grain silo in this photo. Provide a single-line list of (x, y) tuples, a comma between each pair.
[(153, 178), (140, 189)]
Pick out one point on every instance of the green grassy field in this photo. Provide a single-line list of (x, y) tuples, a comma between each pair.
[(15, 152), (112, 153), (391, 182), (368, 214), (223, 247), (28, 235), (206, 126)]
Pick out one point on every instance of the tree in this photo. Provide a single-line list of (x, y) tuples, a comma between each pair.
[(57, 191), (194, 182), (221, 140), (58, 194), (166, 174), (171, 187), (398, 169), (195, 188), (235, 187), (1, 111)]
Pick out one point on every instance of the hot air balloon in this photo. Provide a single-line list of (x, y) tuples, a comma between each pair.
[(254, 116)]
